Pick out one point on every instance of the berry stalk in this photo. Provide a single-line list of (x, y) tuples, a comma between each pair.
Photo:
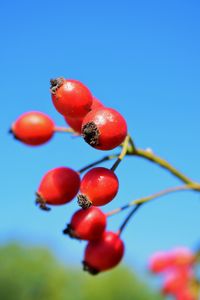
[(95, 163), (149, 155), (122, 154), (63, 129), (127, 219), (192, 187), (129, 149)]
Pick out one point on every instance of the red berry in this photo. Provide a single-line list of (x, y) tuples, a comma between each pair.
[(175, 281), (96, 103), (98, 187), (104, 253), (182, 256), (88, 224), (160, 262), (185, 294), (58, 186), (33, 128), (104, 128), (76, 123), (70, 97)]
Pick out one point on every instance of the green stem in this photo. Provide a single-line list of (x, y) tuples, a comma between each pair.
[(139, 202), (149, 155), (194, 187), (64, 129), (186, 187), (132, 144), (129, 148), (124, 151)]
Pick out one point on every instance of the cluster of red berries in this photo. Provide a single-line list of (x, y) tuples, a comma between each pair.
[(177, 267), (104, 129), (101, 127)]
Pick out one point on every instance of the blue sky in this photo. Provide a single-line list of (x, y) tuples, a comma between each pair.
[(139, 57)]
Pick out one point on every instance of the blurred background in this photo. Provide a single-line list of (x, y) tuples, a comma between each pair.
[(139, 57)]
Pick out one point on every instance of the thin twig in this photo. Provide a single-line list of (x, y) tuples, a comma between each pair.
[(64, 129), (130, 215), (105, 158), (149, 155), (154, 196)]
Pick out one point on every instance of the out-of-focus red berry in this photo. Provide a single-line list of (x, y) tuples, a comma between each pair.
[(176, 280), (33, 128), (185, 294), (160, 262), (182, 256)]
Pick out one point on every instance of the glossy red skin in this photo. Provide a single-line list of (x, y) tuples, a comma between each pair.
[(33, 128), (59, 186), (105, 253), (72, 99), (99, 185), (111, 125), (76, 123), (176, 280), (88, 224), (96, 103), (160, 262)]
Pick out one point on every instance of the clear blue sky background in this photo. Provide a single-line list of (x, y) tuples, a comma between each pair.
[(140, 57)]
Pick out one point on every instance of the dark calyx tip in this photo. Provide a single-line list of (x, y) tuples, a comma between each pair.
[(69, 231), (90, 134), (55, 84), (41, 202), (89, 269), (10, 131), (83, 201)]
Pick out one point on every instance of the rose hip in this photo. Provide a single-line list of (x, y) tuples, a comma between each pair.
[(160, 262), (104, 253), (76, 123), (33, 128), (104, 128), (88, 224), (58, 186), (98, 187), (70, 97)]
